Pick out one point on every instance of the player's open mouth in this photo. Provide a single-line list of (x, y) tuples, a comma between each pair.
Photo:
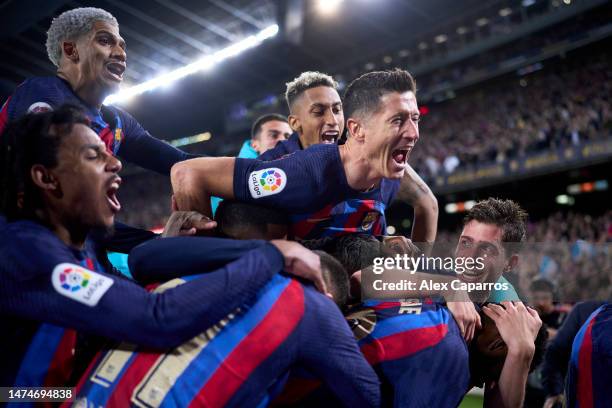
[(470, 276), (330, 136), (116, 70), (401, 155), (111, 195)]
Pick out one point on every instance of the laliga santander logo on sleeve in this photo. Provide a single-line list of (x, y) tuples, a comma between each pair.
[(80, 284), (39, 107), (267, 182)]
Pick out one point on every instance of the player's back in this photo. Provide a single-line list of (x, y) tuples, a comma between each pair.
[(238, 362), (590, 367), (417, 349)]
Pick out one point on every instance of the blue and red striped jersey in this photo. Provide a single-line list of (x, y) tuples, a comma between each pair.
[(47, 286), (242, 359), (417, 350), (311, 187), (121, 133), (590, 368)]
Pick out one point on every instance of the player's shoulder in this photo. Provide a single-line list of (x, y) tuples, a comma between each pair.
[(34, 247), (39, 94)]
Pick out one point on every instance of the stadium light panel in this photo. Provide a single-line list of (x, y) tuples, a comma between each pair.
[(440, 38), (328, 7), (505, 12), (390, 230), (202, 64)]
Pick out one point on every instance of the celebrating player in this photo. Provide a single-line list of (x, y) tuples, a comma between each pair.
[(243, 360), (330, 189), (58, 183), (315, 114), (90, 55), (268, 130)]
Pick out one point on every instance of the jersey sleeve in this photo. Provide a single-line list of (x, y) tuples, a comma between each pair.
[(330, 351), (28, 95), (301, 182), (167, 258), (142, 149), (45, 283)]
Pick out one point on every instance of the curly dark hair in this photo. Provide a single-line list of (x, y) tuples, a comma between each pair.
[(33, 139)]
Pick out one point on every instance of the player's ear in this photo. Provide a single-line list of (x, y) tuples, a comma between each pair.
[(355, 129), (512, 263), (255, 145), (295, 123), (70, 51), (44, 178)]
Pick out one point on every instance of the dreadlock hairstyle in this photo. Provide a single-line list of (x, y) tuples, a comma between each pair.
[(33, 139)]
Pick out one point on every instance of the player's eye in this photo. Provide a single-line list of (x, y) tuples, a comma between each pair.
[(416, 119), (104, 41)]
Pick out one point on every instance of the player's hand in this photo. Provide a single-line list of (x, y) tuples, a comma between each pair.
[(518, 325), (185, 223), (466, 316), (302, 262), (554, 401), (398, 244)]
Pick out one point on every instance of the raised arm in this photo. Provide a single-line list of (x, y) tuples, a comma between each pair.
[(518, 326)]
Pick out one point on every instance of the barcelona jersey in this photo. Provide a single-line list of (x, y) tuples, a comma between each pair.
[(590, 368), (311, 187), (241, 360), (119, 131), (417, 350)]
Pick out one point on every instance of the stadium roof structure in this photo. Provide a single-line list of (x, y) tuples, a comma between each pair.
[(166, 35)]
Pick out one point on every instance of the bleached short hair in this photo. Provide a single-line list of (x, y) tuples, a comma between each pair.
[(71, 25), (307, 80)]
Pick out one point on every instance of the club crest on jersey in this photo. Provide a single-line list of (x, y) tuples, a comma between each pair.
[(267, 182), (39, 107), (80, 284), (369, 220)]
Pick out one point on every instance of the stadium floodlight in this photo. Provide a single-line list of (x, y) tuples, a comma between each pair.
[(202, 64), (328, 6)]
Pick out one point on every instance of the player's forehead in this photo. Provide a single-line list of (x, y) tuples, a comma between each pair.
[(278, 125), (105, 27), (320, 96), (81, 136), (482, 232), (398, 102)]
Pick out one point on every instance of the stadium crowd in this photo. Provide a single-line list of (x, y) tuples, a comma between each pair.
[(551, 109), (224, 310)]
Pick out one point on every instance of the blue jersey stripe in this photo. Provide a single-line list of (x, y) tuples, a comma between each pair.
[(401, 323), (35, 364), (98, 392), (189, 383)]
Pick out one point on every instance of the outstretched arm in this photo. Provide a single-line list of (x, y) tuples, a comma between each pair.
[(195, 181)]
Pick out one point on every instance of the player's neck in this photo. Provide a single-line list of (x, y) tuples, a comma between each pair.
[(89, 92), (72, 235), (359, 174)]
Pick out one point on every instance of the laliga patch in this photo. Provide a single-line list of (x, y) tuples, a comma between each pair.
[(80, 284), (39, 107), (267, 182)]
